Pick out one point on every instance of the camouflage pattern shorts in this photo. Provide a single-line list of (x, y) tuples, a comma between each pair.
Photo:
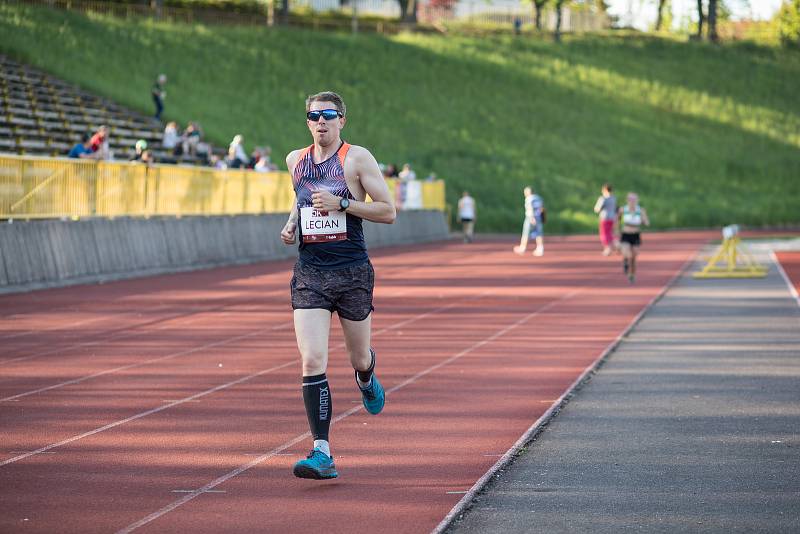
[(346, 291)]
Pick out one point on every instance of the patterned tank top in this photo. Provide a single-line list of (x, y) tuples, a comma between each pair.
[(324, 244)]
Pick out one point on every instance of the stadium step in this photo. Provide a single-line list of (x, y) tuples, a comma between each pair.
[(41, 114)]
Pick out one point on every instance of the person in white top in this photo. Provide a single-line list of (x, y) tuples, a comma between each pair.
[(236, 154), (533, 225), (466, 212), (633, 216), (171, 137)]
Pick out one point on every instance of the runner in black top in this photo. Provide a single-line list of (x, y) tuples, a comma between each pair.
[(333, 273)]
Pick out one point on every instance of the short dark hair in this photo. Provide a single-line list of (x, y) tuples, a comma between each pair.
[(607, 187), (327, 96)]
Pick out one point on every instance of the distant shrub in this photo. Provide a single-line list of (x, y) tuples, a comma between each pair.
[(789, 23)]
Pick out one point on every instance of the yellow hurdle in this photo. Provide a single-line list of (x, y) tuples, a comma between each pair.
[(731, 260)]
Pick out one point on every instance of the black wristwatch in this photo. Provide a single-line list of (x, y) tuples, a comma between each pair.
[(344, 203)]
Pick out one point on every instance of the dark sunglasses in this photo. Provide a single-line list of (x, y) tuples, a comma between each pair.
[(327, 114)]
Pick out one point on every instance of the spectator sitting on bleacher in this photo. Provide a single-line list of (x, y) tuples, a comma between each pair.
[(99, 144), (171, 137), (255, 155), (217, 162), (390, 171), (139, 150), (83, 149), (191, 138), (407, 173), (237, 157), (264, 163)]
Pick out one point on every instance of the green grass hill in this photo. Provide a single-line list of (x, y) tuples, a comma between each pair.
[(707, 135)]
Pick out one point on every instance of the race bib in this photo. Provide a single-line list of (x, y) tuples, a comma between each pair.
[(323, 226)]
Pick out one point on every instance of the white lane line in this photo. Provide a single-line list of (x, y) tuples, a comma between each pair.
[(537, 426), (222, 303), (241, 469), (218, 388), (786, 279), (113, 315), (166, 322), (144, 414), (190, 491), (146, 362), (15, 398)]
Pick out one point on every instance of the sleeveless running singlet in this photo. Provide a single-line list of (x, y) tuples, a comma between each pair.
[(632, 218), (328, 240)]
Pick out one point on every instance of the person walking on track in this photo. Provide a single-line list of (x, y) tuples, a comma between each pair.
[(333, 273), (633, 216), (533, 226), (466, 213), (606, 208)]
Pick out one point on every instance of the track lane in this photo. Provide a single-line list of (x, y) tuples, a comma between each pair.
[(435, 404)]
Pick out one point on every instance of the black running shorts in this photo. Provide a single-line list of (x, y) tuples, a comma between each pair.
[(346, 291), (634, 240)]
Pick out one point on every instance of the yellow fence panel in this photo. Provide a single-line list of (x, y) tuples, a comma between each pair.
[(433, 195), (32, 187)]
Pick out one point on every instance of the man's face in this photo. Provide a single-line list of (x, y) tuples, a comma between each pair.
[(325, 131)]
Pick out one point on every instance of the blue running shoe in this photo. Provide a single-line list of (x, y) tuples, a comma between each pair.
[(372, 396), (317, 465)]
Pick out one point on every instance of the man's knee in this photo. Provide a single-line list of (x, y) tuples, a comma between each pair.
[(314, 360)]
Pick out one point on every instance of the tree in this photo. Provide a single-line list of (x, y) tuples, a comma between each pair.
[(660, 18), (701, 17), (538, 6), (156, 6), (285, 12), (712, 21), (788, 21), (557, 34), (408, 11)]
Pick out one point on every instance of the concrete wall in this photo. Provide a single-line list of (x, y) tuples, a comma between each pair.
[(51, 253)]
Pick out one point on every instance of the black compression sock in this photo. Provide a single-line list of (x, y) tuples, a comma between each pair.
[(319, 408), (365, 376)]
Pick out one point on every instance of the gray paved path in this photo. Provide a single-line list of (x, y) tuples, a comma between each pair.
[(692, 425)]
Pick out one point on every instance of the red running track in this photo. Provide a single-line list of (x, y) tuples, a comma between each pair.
[(790, 261), (173, 403)]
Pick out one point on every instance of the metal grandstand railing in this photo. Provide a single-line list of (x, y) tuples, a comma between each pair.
[(39, 188)]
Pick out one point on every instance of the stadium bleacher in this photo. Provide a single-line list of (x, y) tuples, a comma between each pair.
[(44, 116)]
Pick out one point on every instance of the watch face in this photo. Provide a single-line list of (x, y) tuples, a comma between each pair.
[(344, 204)]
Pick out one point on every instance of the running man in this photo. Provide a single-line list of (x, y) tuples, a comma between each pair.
[(632, 216), (606, 208), (331, 179), (466, 212), (533, 227)]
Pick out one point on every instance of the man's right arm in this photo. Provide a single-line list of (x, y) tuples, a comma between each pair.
[(289, 231)]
